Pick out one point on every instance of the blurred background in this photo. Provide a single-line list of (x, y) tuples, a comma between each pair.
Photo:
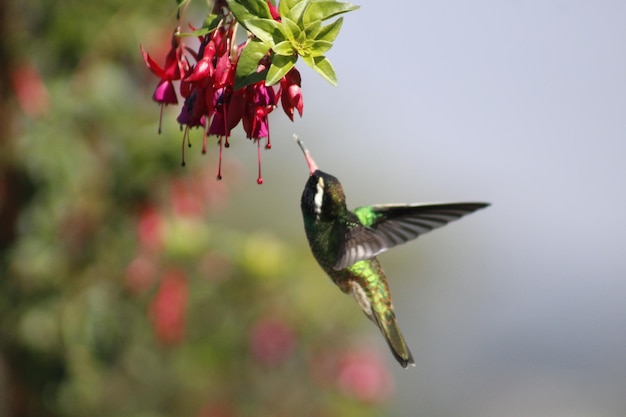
[(133, 287)]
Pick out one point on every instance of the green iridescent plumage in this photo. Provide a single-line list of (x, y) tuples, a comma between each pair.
[(345, 244)]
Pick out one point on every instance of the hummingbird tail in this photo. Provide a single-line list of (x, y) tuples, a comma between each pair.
[(382, 314), (389, 328)]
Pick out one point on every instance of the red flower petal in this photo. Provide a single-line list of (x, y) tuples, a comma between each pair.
[(152, 65)]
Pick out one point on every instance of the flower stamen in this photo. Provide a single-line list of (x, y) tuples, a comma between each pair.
[(219, 166), (258, 150)]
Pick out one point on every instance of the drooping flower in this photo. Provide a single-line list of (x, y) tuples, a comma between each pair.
[(175, 64), (274, 11), (208, 86), (260, 101), (291, 93)]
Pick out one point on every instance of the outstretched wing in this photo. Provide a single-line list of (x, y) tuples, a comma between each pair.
[(385, 226)]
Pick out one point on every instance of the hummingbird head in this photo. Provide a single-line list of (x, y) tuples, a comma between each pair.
[(323, 196)]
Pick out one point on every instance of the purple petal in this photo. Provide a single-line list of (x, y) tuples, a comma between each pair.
[(165, 93)]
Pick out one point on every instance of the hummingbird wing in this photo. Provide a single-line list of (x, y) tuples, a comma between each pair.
[(384, 226)]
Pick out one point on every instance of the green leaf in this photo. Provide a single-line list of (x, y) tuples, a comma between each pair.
[(313, 29), (296, 11), (284, 48), (268, 30), (301, 38), (280, 66), (241, 13), (256, 8), (197, 32), (212, 21), (290, 29), (319, 48), (323, 67), (330, 31), (248, 64), (284, 6), (326, 9)]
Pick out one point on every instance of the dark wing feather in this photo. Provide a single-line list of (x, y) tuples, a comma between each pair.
[(374, 229), (359, 243)]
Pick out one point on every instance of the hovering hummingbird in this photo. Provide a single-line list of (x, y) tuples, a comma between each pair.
[(345, 244)]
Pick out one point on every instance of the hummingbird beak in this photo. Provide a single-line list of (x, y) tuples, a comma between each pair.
[(310, 162)]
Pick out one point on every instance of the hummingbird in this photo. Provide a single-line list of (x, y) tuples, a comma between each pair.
[(346, 243)]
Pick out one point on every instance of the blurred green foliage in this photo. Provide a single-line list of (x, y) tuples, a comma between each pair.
[(118, 294)]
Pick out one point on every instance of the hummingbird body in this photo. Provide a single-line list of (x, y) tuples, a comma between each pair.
[(326, 220), (345, 244)]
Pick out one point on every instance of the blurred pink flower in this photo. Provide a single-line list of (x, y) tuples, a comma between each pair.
[(271, 341), (362, 374), (30, 91), (187, 198), (150, 228), (140, 274), (168, 308), (194, 195)]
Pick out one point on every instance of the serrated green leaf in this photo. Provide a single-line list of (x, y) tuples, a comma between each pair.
[(248, 64), (330, 31), (319, 48), (268, 30), (312, 30), (284, 48), (290, 29), (280, 66), (326, 9), (296, 11), (323, 67)]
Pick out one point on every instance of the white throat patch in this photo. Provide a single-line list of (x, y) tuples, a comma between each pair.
[(319, 197)]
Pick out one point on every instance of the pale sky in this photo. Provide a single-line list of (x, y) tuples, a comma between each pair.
[(519, 309)]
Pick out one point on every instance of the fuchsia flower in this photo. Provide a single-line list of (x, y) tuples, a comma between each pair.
[(260, 101), (175, 64), (274, 11), (208, 88), (291, 93)]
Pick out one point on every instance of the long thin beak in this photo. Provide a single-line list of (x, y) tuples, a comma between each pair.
[(309, 160)]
